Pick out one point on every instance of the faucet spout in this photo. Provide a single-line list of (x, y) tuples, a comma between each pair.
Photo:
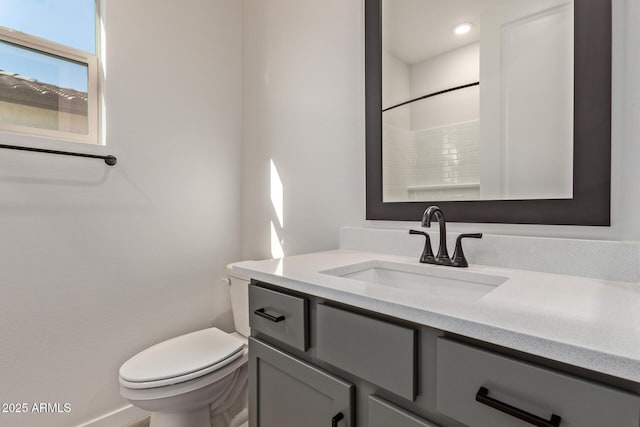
[(435, 212), (426, 216)]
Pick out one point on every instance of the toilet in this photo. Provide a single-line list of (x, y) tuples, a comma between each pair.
[(196, 378)]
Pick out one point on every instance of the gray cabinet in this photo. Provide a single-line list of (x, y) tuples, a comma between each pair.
[(484, 389), (386, 414), (280, 316), (287, 392), (313, 361), (380, 352)]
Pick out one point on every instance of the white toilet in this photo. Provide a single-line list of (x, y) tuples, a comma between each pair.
[(182, 381)]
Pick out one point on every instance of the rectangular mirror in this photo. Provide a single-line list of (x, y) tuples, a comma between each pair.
[(496, 110), (445, 136)]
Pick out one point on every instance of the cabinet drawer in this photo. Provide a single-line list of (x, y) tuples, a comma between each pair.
[(480, 388), (385, 414), (280, 316), (377, 351)]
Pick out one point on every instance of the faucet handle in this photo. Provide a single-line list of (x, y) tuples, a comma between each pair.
[(458, 255), (427, 254)]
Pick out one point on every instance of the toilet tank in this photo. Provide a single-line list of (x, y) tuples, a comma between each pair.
[(239, 290)]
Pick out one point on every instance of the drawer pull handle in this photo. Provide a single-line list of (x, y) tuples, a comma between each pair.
[(336, 419), (482, 396), (262, 313)]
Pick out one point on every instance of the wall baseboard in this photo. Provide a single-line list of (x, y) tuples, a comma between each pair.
[(124, 416)]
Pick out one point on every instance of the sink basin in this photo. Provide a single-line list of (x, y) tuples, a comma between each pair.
[(441, 282)]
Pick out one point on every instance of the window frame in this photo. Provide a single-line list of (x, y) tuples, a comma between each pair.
[(64, 52)]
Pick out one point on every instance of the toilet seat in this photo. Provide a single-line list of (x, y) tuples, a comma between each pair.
[(179, 389), (182, 359)]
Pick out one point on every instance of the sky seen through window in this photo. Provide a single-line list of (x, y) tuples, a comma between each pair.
[(69, 22)]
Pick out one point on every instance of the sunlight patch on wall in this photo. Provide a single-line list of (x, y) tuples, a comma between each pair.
[(277, 194), (277, 201), (276, 246)]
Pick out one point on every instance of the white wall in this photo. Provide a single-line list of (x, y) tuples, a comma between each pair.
[(396, 85), (98, 263), (303, 109), (450, 69), (526, 67)]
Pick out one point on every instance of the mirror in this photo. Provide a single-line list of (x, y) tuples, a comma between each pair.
[(445, 136), (508, 121)]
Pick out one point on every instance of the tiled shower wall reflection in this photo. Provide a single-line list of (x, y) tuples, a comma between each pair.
[(398, 162), (440, 163)]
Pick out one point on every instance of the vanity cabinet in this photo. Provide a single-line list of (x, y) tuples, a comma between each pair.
[(286, 391), (319, 362)]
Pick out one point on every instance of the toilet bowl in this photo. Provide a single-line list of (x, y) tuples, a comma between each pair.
[(183, 380)]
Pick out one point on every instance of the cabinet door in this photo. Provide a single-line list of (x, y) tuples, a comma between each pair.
[(385, 414), (287, 392)]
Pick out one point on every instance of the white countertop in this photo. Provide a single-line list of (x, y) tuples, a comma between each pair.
[(589, 323)]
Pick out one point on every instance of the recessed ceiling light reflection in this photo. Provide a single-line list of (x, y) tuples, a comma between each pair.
[(463, 28)]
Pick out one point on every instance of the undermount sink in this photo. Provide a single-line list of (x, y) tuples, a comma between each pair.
[(442, 282)]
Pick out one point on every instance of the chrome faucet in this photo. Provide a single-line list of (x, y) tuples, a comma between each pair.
[(442, 258)]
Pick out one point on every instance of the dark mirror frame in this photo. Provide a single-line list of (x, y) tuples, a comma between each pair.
[(591, 200)]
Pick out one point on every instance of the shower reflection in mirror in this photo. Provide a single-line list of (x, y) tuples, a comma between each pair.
[(477, 99)]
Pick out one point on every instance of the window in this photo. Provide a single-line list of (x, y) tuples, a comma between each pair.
[(49, 69)]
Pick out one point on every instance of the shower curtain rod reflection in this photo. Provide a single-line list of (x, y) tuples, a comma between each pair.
[(109, 159), (432, 94)]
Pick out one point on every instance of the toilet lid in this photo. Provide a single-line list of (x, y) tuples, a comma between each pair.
[(183, 355)]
